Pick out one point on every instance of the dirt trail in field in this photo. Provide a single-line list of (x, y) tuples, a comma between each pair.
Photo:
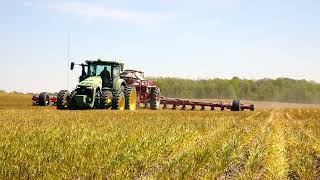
[(279, 105), (250, 150), (276, 163), (309, 144), (267, 104), (197, 144), (283, 146), (292, 151)]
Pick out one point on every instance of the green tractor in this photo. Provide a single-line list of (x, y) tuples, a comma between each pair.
[(100, 87)]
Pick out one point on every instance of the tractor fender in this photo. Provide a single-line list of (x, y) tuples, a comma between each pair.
[(95, 90), (95, 82), (118, 84)]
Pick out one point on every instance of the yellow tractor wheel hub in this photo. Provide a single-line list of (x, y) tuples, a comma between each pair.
[(109, 101), (122, 103), (133, 100)]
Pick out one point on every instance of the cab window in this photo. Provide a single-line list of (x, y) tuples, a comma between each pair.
[(100, 68), (95, 70), (116, 71)]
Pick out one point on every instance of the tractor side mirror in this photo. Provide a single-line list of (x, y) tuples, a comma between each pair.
[(72, 66), (122, 67)]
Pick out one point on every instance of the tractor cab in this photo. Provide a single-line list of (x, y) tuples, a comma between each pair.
[(109, 71)]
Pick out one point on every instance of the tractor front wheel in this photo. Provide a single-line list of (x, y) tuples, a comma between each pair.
[(63, 99), (130, 93), (106, 99), (118, 100), (154, 98)]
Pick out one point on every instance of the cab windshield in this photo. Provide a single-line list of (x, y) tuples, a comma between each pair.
[(96, 69)]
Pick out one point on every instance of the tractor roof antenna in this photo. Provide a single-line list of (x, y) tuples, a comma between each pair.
[(68, 59)]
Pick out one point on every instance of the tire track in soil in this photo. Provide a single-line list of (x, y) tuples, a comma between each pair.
[(311, 144), (207, 169), (252, 157), (276, 162), (222, 128)]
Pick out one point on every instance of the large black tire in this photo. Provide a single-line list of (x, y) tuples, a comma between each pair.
[(62, 99), (118, 100), (97, 100), (236, 105), (44, 99), (155, 98), (131, 98), (106, 99), (72, 101)]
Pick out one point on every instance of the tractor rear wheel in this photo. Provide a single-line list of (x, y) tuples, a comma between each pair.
[(154, 98), (44, 99), (63, 99), (130, 93), (118, 100), (106, 99), (236, 105), (72, 101)]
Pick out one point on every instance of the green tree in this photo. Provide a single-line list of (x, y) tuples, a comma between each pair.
[(281, 89)]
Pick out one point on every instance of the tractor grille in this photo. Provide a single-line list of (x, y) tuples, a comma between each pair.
[(85, 91)]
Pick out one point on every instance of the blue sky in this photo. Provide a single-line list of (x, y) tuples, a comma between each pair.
[(191, 39)]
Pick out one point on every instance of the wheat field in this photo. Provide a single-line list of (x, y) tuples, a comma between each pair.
[(44, 143)]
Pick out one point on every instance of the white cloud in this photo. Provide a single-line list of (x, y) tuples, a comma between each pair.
[(93, 10)]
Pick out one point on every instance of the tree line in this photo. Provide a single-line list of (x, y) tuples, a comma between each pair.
[(281, 89)]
